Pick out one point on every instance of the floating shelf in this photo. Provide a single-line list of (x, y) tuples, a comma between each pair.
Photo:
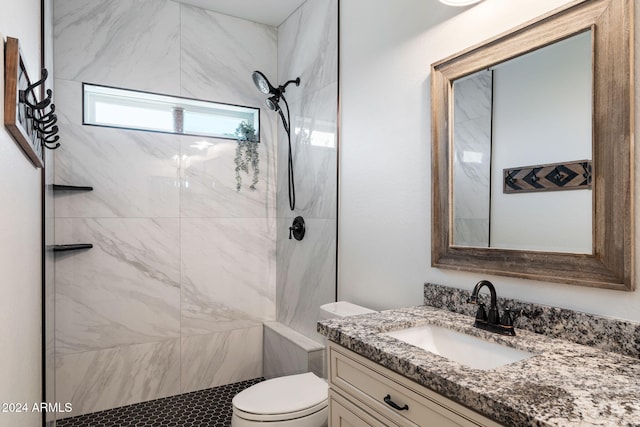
[(74, 247), (59, 187)]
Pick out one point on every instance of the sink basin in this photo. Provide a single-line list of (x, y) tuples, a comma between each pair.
[(464, 349)]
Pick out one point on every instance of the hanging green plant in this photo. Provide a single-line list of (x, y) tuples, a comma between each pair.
[(246, 154)]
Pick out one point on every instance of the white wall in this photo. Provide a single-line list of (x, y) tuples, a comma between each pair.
[(385, 197), (20, 239)]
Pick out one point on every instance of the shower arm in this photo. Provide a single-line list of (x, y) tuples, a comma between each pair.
[(282, 88)]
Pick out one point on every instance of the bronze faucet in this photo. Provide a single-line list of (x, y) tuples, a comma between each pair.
[(491, 322)]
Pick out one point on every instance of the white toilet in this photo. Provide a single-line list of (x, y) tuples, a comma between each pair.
[(294, 400)]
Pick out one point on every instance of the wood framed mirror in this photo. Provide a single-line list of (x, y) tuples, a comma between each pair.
[(608, 261)]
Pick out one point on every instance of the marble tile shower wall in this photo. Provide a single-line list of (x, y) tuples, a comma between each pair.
[(472, 173), (308, 48), (172, 297)]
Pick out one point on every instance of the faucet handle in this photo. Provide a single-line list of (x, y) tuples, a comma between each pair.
[(481, 313), (506, 318)]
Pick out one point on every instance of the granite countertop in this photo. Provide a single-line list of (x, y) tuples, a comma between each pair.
[(564, 384)]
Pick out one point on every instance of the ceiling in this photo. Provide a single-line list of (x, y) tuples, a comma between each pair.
[(270, 12)]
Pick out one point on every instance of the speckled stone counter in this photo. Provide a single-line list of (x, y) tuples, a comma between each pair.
[(564, 384), (605, 333)]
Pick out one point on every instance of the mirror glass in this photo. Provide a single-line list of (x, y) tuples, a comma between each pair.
[(527, 112)]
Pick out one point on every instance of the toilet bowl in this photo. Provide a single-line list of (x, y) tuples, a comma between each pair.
[(294, 400)]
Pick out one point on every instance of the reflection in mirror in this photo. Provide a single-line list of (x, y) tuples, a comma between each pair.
[(534, 109), (472, 159)]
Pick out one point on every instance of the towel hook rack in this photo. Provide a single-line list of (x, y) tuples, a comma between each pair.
[(31, 121)]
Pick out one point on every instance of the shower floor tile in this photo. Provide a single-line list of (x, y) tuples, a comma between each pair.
[(204, 408)]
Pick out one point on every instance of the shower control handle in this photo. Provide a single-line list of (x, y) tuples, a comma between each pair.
[(297, 229)]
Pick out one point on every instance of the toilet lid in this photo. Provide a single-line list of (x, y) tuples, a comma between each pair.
[(297, 395)]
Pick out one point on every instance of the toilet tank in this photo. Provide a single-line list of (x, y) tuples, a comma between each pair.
[(342, 309)]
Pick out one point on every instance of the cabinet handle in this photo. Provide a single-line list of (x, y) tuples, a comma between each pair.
[(394, 405)]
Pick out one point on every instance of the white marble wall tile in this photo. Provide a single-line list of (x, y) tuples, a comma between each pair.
[(126, 43), (306, 274), (313, 139), (473, 96), (308, 47), (472, 168), (98, 380), (472, 161), (282, 357), (221, 71), (288, 353), (208, 180), (228, 273), (317, 363), (219, 53), (68, 102), (125, 290), (221, 358), (471, 232), (133, 173)]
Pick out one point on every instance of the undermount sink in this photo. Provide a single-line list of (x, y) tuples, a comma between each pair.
[(464, 349)]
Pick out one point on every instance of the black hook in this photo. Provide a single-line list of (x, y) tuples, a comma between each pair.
[(510, 179), (52, 139), (24, 94), (39, 105), (51, 148), (49, 129), (32, 86), (46, 118)]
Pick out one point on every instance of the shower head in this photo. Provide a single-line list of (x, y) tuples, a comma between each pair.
[(272, 103), (263, 84)]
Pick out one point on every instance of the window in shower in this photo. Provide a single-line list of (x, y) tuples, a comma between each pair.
[(129, 109)]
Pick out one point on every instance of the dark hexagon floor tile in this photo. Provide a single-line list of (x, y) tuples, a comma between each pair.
[(209, 407)]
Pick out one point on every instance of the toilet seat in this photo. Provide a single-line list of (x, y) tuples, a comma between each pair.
[(279, 417), (281, 399)]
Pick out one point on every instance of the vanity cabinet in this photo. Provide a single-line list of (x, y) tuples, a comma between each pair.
[(363, 393)]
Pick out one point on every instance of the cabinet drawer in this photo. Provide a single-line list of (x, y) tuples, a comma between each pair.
[(343, 413), (371, 383)]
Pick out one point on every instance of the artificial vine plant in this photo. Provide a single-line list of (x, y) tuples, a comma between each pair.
[(246, 154)]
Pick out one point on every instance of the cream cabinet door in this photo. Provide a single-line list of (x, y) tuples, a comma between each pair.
[(343, 413)]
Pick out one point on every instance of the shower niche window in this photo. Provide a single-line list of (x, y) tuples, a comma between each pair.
[(129, 109)]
